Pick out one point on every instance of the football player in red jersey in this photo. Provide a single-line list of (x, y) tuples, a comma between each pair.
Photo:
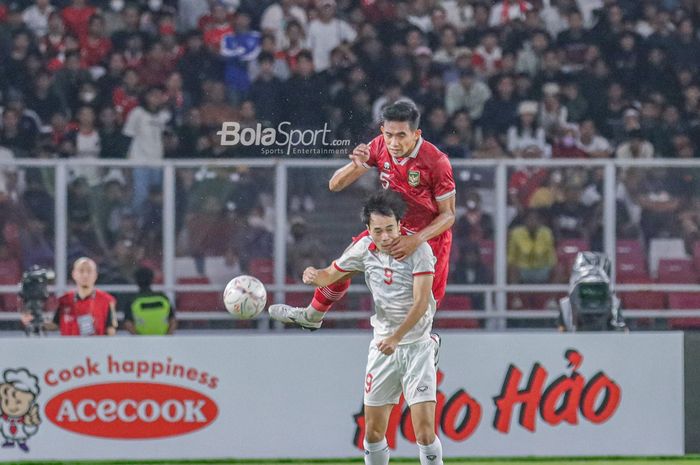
[(422, 175)]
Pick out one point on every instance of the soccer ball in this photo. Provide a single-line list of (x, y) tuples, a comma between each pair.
[(245, 297)]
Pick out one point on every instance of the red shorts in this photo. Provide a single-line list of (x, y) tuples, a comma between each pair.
[(441, 246)]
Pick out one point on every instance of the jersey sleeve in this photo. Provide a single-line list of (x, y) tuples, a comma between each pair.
[(423, 260), (132, 123), (352, 258), (375, 146), (125, 307), (443, 180)]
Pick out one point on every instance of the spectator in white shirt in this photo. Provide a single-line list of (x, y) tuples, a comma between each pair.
[(278, 15), (459, 12), (145, 125), (326, 33), (526, 139), (36, 17), (468, 93), (636, 146), (591, 143), (507, 11)]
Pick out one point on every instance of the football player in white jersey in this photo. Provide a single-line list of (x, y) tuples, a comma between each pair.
[(403, 353)]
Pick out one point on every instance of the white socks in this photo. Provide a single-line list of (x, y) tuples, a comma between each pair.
[(314, 315), (377, 453), (432, 453)]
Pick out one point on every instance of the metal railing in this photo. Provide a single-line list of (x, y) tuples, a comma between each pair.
[(496, 303)]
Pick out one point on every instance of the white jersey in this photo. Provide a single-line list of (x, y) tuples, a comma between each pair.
[(391, 283)]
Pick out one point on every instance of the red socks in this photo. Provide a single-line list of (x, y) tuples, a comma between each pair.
[(325, 297)]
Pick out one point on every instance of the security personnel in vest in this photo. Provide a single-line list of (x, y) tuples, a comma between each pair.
[(149, 313)]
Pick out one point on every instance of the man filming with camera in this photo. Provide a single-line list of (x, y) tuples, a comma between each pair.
[(85, 311)]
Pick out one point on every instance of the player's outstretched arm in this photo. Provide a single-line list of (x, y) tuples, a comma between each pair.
[(422, 287), (323, 277), (351, 172)]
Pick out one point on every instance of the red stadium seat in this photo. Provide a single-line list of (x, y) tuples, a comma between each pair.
[(631, 267), (643, 300), (677, 271), (629, 247), (194, 301), (263, 269), (455, 303), (567, 249), (696, 256), (684, 301)]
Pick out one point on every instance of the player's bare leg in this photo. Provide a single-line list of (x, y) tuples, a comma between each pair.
[(376, 423), (423, 418)]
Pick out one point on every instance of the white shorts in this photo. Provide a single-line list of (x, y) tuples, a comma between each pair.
[(410, 369)]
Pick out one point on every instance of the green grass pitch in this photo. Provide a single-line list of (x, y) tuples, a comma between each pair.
[(687, 460)]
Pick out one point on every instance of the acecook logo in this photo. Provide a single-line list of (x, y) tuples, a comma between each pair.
[(127, 410)]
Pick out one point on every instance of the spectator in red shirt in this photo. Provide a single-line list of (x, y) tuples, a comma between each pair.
[(157, 66), (85, 311), (126, 97), (77, 18), (95, 46), (216, 26)]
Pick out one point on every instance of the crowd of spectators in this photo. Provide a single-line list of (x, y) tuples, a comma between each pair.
[(146, 80)]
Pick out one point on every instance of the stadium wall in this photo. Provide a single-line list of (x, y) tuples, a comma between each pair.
[(300, 396), (692, 392)]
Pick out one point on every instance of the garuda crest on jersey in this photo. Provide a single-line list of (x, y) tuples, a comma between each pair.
[(413, 178)]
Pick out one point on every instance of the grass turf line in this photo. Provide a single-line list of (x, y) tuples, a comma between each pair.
[(685, 460)]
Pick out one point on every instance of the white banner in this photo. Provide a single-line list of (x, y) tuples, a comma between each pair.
[(300, 396)]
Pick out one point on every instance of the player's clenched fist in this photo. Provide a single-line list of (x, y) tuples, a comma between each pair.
[(388, 345), (310, 275), (360, 154)]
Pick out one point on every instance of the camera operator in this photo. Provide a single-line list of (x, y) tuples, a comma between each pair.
[(85, 311)]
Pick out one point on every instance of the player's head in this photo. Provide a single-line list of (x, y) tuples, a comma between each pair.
[(400, 123), (143, 277), (382, 214), (84, 272)]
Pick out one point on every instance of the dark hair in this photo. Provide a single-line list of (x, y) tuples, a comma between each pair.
[(143, 277), (385, 203), (402, 111), (305, 54), (266, 56)]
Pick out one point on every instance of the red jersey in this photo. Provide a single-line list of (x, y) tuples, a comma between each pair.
[(423, 178), (77, 20), (90, 316), (94, 51)]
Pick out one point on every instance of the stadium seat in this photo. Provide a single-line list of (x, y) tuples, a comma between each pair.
[(664, 248), (631, 267), (684, 301), (696, 256), (643, 300), (263, 269), (630, 260), (567, 249), (629, 247), (455, 303), (676, 271), (194, 301)]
